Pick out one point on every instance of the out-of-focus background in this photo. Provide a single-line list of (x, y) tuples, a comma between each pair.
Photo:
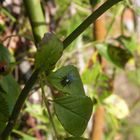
[(114, 82)]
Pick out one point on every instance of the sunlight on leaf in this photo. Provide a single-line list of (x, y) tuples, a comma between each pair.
[(23, 135), (90, 75), (117, 106), (129, 43)]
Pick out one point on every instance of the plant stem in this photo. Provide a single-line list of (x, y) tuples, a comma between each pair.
[(48, 109), (89, 20), (98, 127), (37, 20), (99, 32), (19, 103), (111, 24)]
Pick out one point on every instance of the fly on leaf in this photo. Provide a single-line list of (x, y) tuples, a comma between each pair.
[(3, 67), (67, 80)]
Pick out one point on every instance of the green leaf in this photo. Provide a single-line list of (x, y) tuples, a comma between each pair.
[(102, 49), (90, 75), (73, 112), (76, 138), (4, 110), (11, 90), (6, 60), (2, 126), (118, 55), (49, 52), (94, 2), (130, 43), (74, 85), (4, 54), (24, 136)]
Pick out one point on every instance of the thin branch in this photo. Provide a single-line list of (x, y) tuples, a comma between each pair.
[(46, 102), (15, 35), (98, 126), (89, 20), (19, 103), (37, 20)]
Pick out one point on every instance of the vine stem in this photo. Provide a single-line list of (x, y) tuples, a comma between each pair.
[(37, 20), (28, 86), (89, 20), (19, 103), (46, 102)]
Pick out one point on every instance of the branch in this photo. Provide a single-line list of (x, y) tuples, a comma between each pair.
[(37, 20), (19, 103), (98, 127), (89, 20)]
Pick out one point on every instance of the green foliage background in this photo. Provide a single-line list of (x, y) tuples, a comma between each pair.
[(97, 82)]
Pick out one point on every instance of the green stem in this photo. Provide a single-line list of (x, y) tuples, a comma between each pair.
[(111, 24), (19, 103), (37, 22), (46, 102), (89, 20)]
